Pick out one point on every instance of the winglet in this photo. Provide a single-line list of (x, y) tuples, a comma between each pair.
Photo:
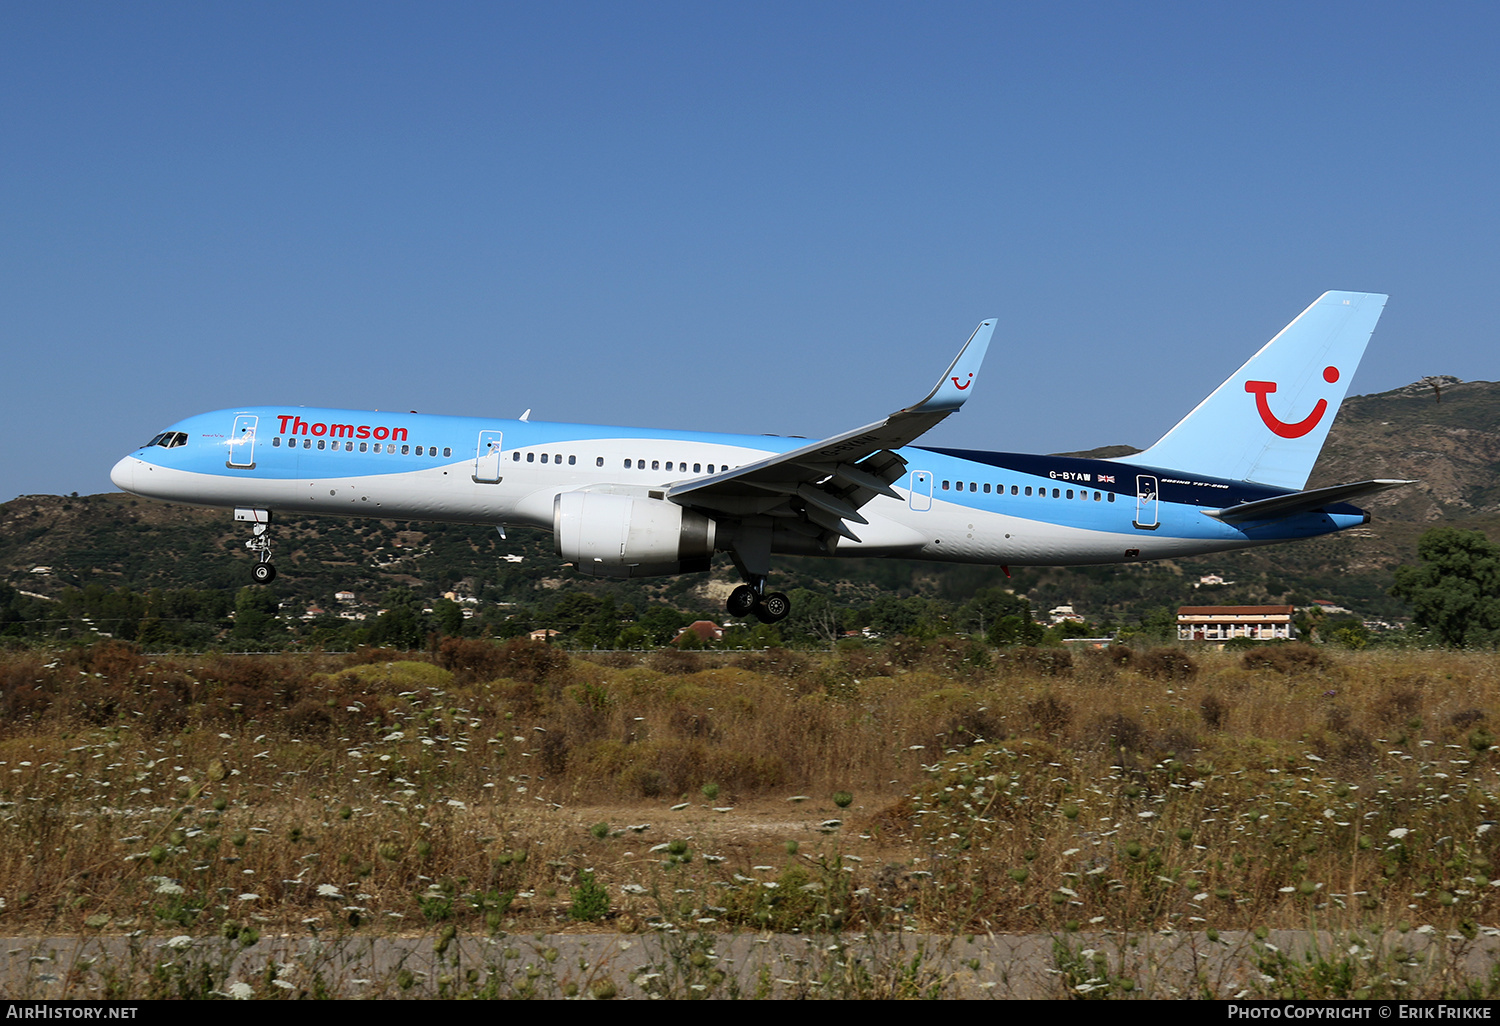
[(953, 388)]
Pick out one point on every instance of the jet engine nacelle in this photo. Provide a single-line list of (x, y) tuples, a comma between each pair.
[(605, 534)]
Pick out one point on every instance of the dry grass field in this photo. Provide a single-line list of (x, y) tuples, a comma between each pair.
[(940, 788)]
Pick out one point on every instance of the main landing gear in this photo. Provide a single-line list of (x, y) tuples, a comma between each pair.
[(260, 543), (751, 552), (751, 600)]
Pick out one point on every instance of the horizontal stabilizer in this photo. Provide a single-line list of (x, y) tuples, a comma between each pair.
[(1302, 502)]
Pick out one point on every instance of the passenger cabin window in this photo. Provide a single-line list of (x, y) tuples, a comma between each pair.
[(572, 460)]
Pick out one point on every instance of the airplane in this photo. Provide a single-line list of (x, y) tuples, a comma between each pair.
[(632, 502)]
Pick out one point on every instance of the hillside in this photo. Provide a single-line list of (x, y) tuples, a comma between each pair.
[(1452, 446)]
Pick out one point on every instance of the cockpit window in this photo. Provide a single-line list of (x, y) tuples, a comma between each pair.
[(168, 440)]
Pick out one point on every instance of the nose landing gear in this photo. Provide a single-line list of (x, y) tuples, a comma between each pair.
[(260, 543)]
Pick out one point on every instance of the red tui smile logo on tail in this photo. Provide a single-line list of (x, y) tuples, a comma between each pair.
[(1261, 389), (966, 384)]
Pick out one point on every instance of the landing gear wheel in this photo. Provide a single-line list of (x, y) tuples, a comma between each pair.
[(773, 608), (264, 573), (741, 601)]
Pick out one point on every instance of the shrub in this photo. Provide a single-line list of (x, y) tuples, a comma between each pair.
[(774, 661), (534, 662), (470, 659), (1122, 731), (1166, 664), (590, 899), (1048, 662), (1050, 713), (1399, 705), (1295, 657), (675, 661), (1215, 712)]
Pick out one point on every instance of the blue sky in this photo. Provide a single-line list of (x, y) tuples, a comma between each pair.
[(767, 217)]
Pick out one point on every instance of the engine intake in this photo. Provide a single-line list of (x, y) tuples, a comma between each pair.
[(605, 534)]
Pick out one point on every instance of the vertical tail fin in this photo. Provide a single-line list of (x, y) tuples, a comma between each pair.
[(1267, 423)]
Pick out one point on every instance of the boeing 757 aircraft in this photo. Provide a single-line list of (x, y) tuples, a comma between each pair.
[(633, 502)]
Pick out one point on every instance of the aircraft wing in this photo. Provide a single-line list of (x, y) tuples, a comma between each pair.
[(823, 485), (1302, 502)]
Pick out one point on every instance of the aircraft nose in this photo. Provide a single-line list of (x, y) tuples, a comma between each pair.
[(123, 474)]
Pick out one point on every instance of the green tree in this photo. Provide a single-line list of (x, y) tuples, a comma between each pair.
[(401, 627), (987, 607), (1159, 625), (255, 614), (448, 617), (1016, 630), (661, 623), (1455, 593)]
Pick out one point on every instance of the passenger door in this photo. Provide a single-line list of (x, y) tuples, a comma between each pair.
[(242, 442), (487, 458)]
